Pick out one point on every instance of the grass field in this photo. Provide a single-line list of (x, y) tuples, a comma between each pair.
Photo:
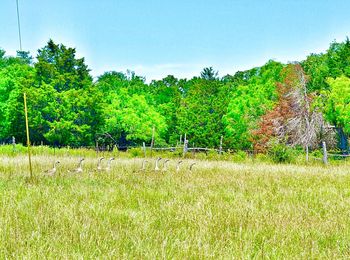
[(219, 210)]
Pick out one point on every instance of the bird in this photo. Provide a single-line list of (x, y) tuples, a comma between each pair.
[(52, 171), (165, 165), (143, 167), (178, 166), (108, 168), (191, 166), (99, 167), (79, 169), (156, 168)]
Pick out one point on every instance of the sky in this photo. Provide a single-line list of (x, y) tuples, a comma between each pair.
[(156, 38)]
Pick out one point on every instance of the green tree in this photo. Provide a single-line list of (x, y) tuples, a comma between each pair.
[(71, 112), (209, 74), (167, 95), (337, 107), (131, 119), (249, 102), (201, 111), (16, 77)]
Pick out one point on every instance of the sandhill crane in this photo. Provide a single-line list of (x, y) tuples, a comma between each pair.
[(143, 167), (52, 171), (99, 167), (165, 165), (191, 166), (108, 168), (79, 169), (156, 168), (178, 166)]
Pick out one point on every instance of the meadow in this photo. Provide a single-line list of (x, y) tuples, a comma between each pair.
[(219, 210)]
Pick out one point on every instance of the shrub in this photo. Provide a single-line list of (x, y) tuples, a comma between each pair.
[(281, 153), (239, 156), (135, 152)]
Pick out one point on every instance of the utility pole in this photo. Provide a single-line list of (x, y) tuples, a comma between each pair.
[(27, 131)]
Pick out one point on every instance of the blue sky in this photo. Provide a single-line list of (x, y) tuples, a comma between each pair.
[(155, 38)]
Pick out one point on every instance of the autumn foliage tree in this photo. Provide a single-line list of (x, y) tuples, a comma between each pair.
[(292, 121)]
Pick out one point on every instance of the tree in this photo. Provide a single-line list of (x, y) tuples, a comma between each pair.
[(209, 74), (131, 108), (16, 77), (131, 119), (167, 95), (292, 121), (201, 111), (337, 107), (250, 100), (58, 66), (74, 101), (334, 63)]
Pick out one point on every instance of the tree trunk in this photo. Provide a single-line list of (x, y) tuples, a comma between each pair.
[(343, 141)]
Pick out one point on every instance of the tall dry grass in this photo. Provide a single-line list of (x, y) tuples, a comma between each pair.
[(219, 210)]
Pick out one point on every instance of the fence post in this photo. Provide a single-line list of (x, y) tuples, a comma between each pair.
[(220, 151), (325, 157), (14, 143), (185, 146), (152, 142), (180, 139), (144, 148)]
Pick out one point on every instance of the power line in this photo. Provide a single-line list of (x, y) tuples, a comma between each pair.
[(19, 28)]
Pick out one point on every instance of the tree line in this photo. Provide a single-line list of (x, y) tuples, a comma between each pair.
[(297, 104)]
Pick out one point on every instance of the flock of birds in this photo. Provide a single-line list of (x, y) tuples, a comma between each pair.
[(100, 168)]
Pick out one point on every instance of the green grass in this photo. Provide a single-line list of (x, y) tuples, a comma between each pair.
[(220, 210)]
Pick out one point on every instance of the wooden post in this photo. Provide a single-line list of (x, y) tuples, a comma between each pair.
[(325, 157), (152, 142), (14, 143), (180, 139), (27, 130), (307, 153), (185, 146), (144, 148), (220, 150)]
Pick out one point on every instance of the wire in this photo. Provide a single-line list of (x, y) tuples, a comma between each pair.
[(19, 28)]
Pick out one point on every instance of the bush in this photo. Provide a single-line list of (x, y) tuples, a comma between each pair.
[(239, 156), (281, 153), (213, 155), (261, 157), (136, 152)]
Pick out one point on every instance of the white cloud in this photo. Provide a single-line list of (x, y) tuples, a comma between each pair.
[(157, 71)]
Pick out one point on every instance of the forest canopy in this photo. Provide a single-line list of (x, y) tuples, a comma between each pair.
[(292, 104)]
